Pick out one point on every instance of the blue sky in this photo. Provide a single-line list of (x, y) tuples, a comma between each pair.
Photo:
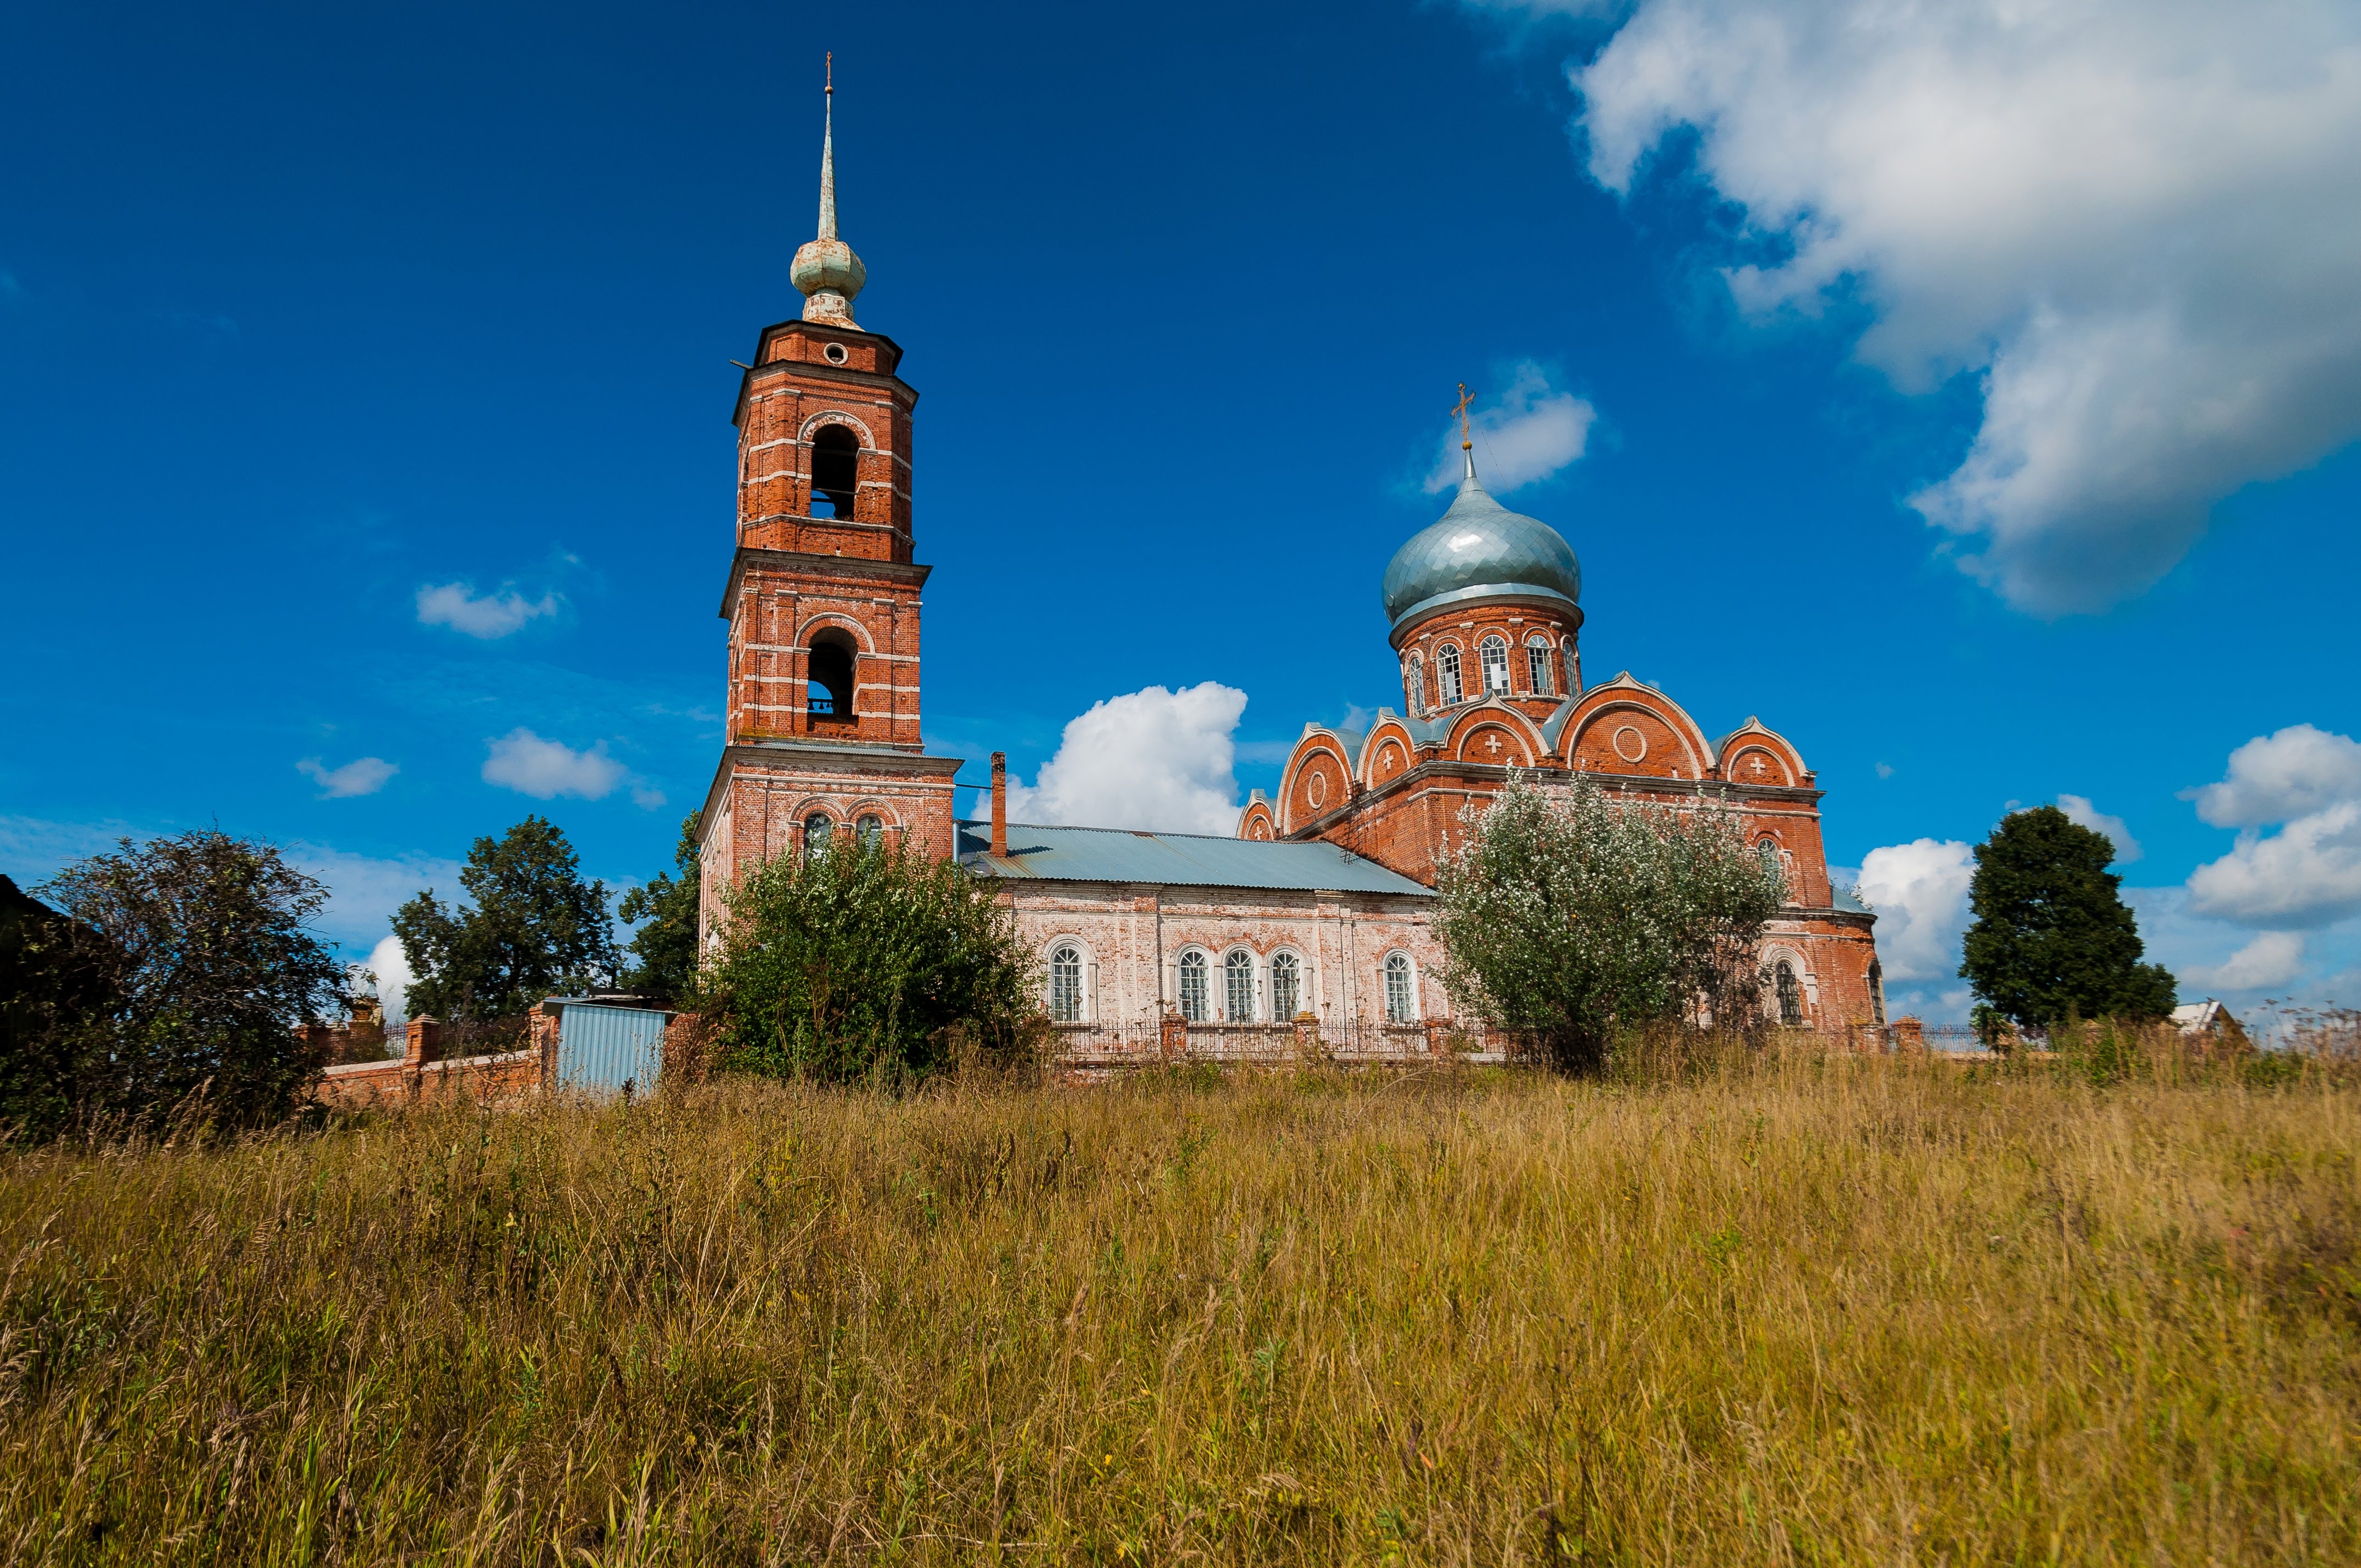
[(366, 396)]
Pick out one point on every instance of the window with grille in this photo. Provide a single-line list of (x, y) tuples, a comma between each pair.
[(1876, 991), (1494, 653), (1791, 995), (1573, 670), (1446, 673), (1066, 984), (1195, 999), (1414, 688), (1398, 997), (869, 830), (1286, 987), (1238, 987), (1537, 667), (817, 829)]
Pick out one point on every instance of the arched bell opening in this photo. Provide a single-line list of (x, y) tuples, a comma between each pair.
[(835, 471), (828, 678)]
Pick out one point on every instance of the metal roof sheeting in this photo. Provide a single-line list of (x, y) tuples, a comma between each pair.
[(1175, 859)]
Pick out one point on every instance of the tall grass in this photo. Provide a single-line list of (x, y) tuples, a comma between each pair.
[(1813, 1310)]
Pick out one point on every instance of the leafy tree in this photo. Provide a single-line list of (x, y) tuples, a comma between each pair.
[(177, 966), (535, 930), (1567, 915), (48, 990), (666, 946), (2052, 936), (866, 961)]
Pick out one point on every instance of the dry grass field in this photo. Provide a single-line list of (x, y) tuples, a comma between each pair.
[(1797, 1310)]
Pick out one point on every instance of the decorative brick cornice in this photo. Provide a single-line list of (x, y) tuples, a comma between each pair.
[(749, 557)]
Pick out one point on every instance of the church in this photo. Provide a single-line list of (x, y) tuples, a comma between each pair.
[(1313, 921)]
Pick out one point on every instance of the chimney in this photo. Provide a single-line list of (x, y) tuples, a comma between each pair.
[(999, 805)]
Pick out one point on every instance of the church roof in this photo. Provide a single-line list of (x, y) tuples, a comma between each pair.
[(1479, 549), (1175, 859)]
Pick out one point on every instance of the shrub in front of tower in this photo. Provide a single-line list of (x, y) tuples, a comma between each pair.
[(867, 962), (1569, 918), (170, 981), (2053, 939)]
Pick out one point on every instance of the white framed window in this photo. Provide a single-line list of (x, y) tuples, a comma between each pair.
[(1401, 1005), (1414, 686), (869, 830), (817, 831), (1791, 994), (1573, 667), (1286, 987), (1196, 991), (1446, 673), (1066, 983), (1493, 654), (1537, 667), (1238, 987)]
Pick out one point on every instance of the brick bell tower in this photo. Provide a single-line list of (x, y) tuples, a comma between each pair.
[(822, 602)]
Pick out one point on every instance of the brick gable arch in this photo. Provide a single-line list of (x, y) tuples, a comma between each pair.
[(1626, 728), (1782, 764), (1318, 780), (1387, 754), (1473, 733), (1258, 821)]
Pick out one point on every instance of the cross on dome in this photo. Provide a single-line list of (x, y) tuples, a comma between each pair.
[(825, 271)]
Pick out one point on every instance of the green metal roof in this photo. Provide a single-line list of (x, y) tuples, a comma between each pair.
[(1175, 859)]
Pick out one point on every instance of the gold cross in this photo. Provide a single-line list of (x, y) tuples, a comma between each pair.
[(1460, 408)]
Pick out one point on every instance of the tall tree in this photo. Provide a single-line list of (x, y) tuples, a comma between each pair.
[(665, 947), (1568, 915), (2052, 935), (534, 928), (191, 961), (863, 963)]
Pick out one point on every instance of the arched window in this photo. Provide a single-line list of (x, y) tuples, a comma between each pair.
[(828, 677), (817, 829), (1766, 849), (869, 830), (1537, 667), (1195, 1003), (1572, 668), (1286, 987), (836, 471), (1494, 653), (1446, 673), (1066, 983), (1414, 686), (1238, 987), (1791, 995), (1400, 1008), (1876, 992)]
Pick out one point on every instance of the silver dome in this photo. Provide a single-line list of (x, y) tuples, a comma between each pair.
[(1479, 549)]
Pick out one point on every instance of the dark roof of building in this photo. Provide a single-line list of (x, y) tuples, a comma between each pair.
[(1175, 859)]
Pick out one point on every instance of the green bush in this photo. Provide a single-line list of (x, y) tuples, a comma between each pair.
[(867, 961)]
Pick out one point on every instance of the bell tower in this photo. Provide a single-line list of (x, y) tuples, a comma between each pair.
[(821, 729)]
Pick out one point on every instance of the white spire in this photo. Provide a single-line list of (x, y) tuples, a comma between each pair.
[(826, 271)]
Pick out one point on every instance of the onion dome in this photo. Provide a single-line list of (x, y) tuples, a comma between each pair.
[(826, 272), (1479, 549)]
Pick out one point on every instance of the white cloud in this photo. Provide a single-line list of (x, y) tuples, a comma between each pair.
[(457, 605), (365, 889), (2308, 872), (524, 761), (2082, 813), (1920, 892), (2133, 220), (2277, 777), (387, 961), (2272, 959), (1527, 432), (364, 775), (1155, 758)]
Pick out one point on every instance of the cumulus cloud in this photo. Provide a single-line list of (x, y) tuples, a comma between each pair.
[(2080, 812), (1527, 432), (457, 606), (391, 968), (2133, 220), (363, 776), (2272, 959), (2308, 872), (2277, 777), (524, 761), (1920, 892), (1157, 758), (365, 889)]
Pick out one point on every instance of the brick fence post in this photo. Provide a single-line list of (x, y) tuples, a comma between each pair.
[(425, 1043), (1910, 1035), (1172, 1038), (546, 1020)]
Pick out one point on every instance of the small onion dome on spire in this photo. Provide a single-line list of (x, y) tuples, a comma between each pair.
[(1479, 549), (826, 272)]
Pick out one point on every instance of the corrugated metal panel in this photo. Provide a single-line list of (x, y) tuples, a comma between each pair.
[(600, 1049), (1176, 859)]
